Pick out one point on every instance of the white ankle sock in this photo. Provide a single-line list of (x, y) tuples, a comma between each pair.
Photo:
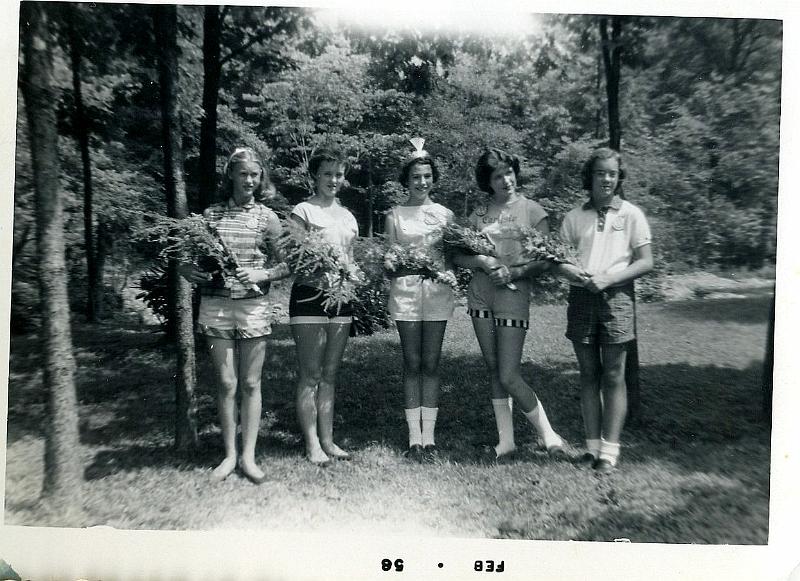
[(413, 416), (428, 425), (609, 451), (505, 425), (538, 418)]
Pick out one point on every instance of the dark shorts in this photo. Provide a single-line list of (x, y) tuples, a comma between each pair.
[(605, 317), (305, 307)]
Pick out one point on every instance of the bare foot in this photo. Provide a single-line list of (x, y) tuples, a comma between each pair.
[(224, 469), (318, 457), (335, 452), (252, 472)]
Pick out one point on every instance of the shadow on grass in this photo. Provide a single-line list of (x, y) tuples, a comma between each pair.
[(125, 388), (709, 514), (751, 310)]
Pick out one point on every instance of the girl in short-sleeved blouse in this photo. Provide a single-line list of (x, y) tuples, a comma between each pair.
[(420, 308), (234, 310)]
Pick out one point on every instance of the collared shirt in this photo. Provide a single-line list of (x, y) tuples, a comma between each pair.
[(246, 231), (606, 238)]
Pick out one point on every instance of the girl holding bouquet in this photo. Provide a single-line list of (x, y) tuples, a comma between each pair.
[(498, 297), (320, 330), (234, 308), (419, 304)]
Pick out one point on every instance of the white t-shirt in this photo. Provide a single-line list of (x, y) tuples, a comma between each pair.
[(611, 249), (492, 219), (336, 224)]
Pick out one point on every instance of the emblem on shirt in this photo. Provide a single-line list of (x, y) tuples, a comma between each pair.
[(431, 219), (252, 223), (619, 223)]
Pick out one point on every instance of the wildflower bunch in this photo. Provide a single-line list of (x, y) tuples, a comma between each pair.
[(402, 259), (308, 253), (539, 246)]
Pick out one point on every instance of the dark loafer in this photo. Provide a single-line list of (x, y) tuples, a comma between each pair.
[(415, 453), (430, 453), (603, 466)]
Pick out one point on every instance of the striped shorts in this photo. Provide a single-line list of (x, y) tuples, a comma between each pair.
[(508, 308)]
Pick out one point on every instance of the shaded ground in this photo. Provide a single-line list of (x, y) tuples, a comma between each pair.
[(695, 467)]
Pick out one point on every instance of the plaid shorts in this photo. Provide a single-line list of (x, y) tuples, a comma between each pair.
[(606, 317)]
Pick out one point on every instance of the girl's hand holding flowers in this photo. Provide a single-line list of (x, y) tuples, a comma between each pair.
[(572, 273), (251, 276)]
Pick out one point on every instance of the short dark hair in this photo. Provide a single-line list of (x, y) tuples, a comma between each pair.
[(327, 154), (424, 159), (265, 188), (588, 168), (489, 161)]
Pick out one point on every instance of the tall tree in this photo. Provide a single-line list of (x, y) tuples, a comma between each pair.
[(612, 52), (259, 33), (166, 31), (94, 275), (63, 479)]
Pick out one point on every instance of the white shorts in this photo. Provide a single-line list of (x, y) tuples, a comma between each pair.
[(414, 299), (234, 318)]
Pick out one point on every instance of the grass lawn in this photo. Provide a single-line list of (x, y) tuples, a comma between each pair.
[(695, 468)]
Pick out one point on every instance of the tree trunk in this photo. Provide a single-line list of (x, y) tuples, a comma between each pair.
[(612, 51), (611, 59), (212, 70), (166, 28), (93, 297), (370, 203), (63, 474)]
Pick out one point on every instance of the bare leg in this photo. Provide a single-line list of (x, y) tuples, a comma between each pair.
[(310, 342), (486, 333), (223, 358), (337, 334), (615, 400), (431, 351), (591, 371), (251, 362), (411, 342)]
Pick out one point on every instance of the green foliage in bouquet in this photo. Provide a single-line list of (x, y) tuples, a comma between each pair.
[(539, 246), (466, 240), (399, 259), (370, 313), (191, 240), (306, 252)]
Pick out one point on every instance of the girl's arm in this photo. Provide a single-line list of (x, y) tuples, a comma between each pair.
[(642, 264), (476, 262), (389, 231)]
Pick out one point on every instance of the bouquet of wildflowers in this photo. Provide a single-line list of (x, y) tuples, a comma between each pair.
[(538, 246), (308, 253), (415, 259), (193, 240), (466, 240)]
